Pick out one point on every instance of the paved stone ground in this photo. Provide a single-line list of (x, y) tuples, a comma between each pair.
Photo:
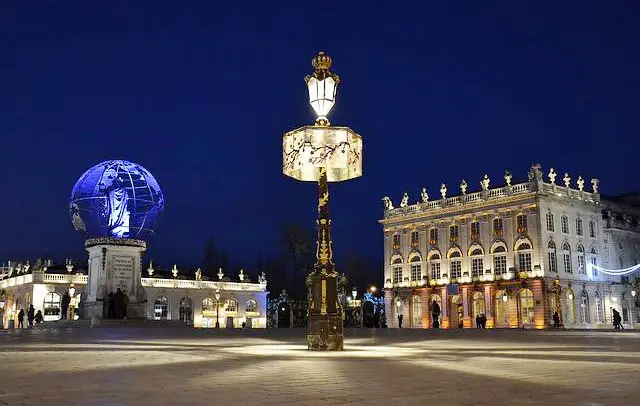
[(180, 366)]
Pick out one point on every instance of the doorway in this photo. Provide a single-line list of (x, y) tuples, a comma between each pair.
[(457, 312), (284, 315)]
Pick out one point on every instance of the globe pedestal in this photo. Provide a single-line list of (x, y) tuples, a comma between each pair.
[(114, 263)]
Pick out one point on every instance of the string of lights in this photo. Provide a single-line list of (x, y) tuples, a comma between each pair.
[(616, 272)]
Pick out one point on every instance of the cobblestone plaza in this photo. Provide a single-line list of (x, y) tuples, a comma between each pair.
[(180, 366)]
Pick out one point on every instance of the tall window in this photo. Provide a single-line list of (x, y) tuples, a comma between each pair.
[(161, 308), (499, 260), (416, 311), (397, 274), (599, 310), (476, 263), (396, 241), (502, 308), (252, 306), (434, 264), (527, 309), (594, 261), (584, 308), (592, 229), (231, 306), (565, 224), (550, 225), (453, 233), (582, 269), (433, 236), (416, 269), (498, 229), (478, 304), (521, 221), (579, 226), (524, 257), (456, 268), (208, 304), (551, 254), (475, 230), (570, 316), (415, 239), (51, 303), (566, 257)]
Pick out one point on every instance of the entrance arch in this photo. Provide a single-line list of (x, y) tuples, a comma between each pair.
[(457, 312)]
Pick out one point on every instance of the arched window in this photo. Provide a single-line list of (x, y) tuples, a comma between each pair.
[(592, 229), (208, 305), (570, 313), (597, 300), (523, 247), (455, 264), (161, 308), (231, 306), (499, 253), (527, 310), (186, 312), (416, 267), (551, 256), (51, 306), (252, 306), (434, 264), (416, 311), (565, 224), (502, 308), (582, 268), (594, 261), (584, 307), (477, 266), (579, 226), (566, 257), (550, 224), (478, 304)]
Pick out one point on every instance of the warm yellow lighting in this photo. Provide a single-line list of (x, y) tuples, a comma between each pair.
[(570, 296), (72, 291), (633, 293), (505, 297), (323, 86), (373, 290)]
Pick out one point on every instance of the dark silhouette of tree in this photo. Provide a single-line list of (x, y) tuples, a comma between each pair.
[(214, 259), (297, 245)]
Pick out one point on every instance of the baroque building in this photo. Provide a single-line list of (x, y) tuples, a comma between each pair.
[(171, 297), (516, 254)]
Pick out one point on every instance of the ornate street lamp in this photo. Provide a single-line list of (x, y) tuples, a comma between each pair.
[(323, 153), (354, 293), (217, 295)]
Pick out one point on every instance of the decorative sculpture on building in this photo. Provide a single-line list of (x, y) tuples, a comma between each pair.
[(198, 274), (262, 279), (463, 187), (220, 274), (174, 271), (594, 184), (535, 173), (508, 177), (150, 270), (405, 200), (443, 191), (567, 180), (388, 205), (424, 195), (580, 183), (68, 264), (241, 276), (485, 182)]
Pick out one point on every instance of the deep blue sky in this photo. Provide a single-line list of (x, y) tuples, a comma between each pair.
[(200, 94)]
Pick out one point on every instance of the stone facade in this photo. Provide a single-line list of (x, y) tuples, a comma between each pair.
[(512, 253)]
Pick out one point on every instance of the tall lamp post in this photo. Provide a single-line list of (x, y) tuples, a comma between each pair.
[(217, 308), (322, 153)]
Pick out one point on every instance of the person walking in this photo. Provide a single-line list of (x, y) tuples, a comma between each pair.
[(31, 315), (21, 318), (478, 323), (400, 317), (556, 320), (38, 317), (66, 300)]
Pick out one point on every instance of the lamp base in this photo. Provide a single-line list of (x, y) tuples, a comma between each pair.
[(325, 333)]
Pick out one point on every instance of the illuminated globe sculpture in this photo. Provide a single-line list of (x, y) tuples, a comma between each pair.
[(116, 199), (116, 205), (323, 153)]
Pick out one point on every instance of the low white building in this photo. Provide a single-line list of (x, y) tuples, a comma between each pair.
[(195, 302)]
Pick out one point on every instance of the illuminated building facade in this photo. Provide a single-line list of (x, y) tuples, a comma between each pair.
[(195, 302), (516, 254)]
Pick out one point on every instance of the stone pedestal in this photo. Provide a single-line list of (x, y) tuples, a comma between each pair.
[(114, 263), (325, 318)]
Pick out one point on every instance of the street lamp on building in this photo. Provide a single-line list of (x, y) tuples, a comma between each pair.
[(373, 289), (323, 153), (354, 293), (217, 295), (505, 297)]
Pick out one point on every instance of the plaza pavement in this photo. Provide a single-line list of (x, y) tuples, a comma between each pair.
[(66, 365)]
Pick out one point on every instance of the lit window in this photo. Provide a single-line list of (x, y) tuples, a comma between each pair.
[(526, 306), (476, 267), (565, 224), (566, 255), (582, 269), (500, 264), (453, 233), (433, 236), (584, 307), (397, 274), (497, 227), (435, 270), (396, 241), (456, 268), (415, 239), (475, 230), (551, 254), (594, 261), (252, 306), (416, 272), (524, 257), (231, 306), (521, 221), (599, 310)]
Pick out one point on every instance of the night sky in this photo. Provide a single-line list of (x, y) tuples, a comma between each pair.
[(200, 94)]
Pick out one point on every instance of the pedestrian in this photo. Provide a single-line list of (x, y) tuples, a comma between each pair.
[(435, 314), (556, 320), (478, 322), (38, 317), (31, 315), (617, 320), (400, 317), (64, 305), (483, 321), (21, 318)]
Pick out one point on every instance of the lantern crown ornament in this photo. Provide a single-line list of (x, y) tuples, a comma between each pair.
[(322, 85)]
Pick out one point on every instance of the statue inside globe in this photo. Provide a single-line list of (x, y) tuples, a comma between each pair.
[(116, 201)]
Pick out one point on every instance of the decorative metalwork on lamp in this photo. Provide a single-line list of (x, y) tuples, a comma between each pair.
[(322, 153)]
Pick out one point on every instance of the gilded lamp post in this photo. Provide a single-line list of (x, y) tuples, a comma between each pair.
[(323, 153)]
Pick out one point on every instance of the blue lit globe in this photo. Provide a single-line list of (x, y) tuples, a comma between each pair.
[(117, 199)]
